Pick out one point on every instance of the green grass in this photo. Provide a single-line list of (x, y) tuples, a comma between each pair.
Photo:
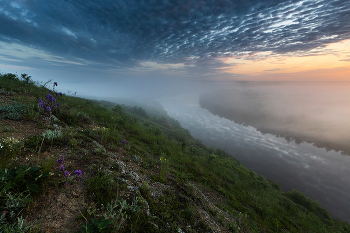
[(257, 203)]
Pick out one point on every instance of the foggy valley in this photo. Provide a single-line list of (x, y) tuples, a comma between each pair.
[(315, 112), (175, 116)]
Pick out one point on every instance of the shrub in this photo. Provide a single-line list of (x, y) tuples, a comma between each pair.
[(10, 76), (14, 111), (9, 147), (111, 220), (27, 79), (21, 178), (103, 187), (313, 206), (83, 117), (21, 225), (52, 134), (32, 142)]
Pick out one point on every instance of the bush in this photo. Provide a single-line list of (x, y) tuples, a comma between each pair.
[(27, 79), (52, 134), (9, 147), (32, 142), (102, 187), (313, 206), (21, 178), (14, 111), (10, 76), (21, 225)]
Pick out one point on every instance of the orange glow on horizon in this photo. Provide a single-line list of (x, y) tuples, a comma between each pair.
[(333, 60)]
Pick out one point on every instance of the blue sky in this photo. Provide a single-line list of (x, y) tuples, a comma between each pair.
[(101, 46)]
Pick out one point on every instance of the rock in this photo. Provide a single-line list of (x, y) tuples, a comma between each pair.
[(135, 177), (132, 188), (122, 167), (75, 194)]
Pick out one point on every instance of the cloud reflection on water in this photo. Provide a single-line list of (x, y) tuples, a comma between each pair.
[(314, 171)]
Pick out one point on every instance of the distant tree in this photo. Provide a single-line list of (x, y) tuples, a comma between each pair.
[(10, 76), (118, 109), (26, 78)]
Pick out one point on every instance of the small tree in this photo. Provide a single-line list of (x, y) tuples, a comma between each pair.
[(26, 78)]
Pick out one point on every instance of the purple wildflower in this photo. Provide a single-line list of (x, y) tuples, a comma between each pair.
[(66, 174), (62, 167), (48, 109), (78, 172), (41, 104), (60, 161), (55, 83)]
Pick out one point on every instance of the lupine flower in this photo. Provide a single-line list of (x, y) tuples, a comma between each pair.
[(60, 161), (66, 174), (78, 172), (41, 104), (62, 168), (48, 109), (123, 141)]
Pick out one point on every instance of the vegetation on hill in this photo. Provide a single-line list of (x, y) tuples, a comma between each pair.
[(74, 165)]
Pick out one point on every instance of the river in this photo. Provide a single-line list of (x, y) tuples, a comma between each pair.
[(323, 176)]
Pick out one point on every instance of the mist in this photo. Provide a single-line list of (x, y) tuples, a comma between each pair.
[(315, 112), (295, 109)]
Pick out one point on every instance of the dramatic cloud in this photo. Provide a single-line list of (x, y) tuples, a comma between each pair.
[(127, 33)]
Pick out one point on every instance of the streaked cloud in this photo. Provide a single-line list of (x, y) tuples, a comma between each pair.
[(196, 35)]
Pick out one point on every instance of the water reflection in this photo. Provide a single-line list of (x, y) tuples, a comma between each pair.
[(320, 175)]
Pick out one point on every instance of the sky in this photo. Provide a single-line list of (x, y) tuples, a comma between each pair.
[(111, 47)]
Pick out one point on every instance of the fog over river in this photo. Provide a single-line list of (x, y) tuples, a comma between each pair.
[(321, 175)]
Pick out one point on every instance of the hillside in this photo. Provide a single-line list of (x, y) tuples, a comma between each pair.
[(70, 164)]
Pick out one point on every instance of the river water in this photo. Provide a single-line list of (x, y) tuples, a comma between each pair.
[(323, 176)]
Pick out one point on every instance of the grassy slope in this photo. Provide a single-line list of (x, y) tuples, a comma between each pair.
[(256, 204)]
